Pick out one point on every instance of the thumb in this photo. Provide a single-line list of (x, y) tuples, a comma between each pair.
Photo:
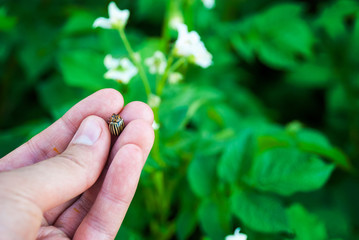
[(58, 179)]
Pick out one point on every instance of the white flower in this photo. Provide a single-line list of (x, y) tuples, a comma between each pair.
[(119, 69), (237, 235), (155, 125), (190, 45), (208, 3), (153, 100), (117, 18), (175, 77), (157, 63)]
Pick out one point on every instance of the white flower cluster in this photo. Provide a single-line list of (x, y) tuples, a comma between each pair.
[(189, 45), (157, 63), (119, 69)]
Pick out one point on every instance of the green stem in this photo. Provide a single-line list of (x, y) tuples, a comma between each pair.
[(141, 70), (162, 81), (169, 70), (156, 152)]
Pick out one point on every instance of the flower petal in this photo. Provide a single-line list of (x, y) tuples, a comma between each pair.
[(113, 10), (111, 62), (118, 17), (121, 70), (102, 22)]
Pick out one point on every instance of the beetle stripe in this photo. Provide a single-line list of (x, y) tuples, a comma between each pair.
[(116, 125)]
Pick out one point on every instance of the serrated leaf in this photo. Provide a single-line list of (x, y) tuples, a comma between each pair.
[(233, 161), (278, 36), (259, 211), (288, 170), (314, 142)]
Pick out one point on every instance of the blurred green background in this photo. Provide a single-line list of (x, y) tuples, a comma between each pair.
[(266, 139)]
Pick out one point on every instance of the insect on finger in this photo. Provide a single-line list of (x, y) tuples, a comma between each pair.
[(116, 124)]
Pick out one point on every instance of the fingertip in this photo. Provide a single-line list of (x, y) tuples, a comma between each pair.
[(91, 129), (114, 97), (137, 110)]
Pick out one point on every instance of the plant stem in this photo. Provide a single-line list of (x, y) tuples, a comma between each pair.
[(169, 70), (141, 70), (156, 153)]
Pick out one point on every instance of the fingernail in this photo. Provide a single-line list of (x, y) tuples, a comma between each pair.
[(88, 133)]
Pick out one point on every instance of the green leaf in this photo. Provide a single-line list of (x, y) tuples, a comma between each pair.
[(13, 138), (234, 161), (214, 219), (305, 225), (38, 52), (181, 104), (288, 170), (310, 74), (185, 224), (260, 212), (333, 17), (304, 139), (244, 49), (314, 142), (278, 36), (202, 175), (6, 23), (79, 22), (57, 98), (85, 69)]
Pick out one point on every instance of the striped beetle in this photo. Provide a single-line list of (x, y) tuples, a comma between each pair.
[(116, 124)]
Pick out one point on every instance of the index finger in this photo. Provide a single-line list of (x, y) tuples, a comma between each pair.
[(56, 137)]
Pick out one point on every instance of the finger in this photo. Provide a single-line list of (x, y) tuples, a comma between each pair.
[(137, 110), (59, 179), (106, 215), (75, 213), (138, 132), (55, 138)]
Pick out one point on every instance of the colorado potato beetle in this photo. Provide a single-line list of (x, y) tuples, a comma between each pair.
[(116, 124)]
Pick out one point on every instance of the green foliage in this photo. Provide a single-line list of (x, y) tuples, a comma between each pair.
[(265, 139), (305, 225), (278, 36), (260, 212)]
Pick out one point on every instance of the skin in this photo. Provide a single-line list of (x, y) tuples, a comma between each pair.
[(57, 186)]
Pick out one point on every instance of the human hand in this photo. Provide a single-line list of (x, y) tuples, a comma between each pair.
[(85, 191)]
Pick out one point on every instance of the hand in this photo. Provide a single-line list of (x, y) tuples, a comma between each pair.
[(85, 191)]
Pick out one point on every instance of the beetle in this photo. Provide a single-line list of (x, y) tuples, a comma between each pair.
[(116, 124)]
